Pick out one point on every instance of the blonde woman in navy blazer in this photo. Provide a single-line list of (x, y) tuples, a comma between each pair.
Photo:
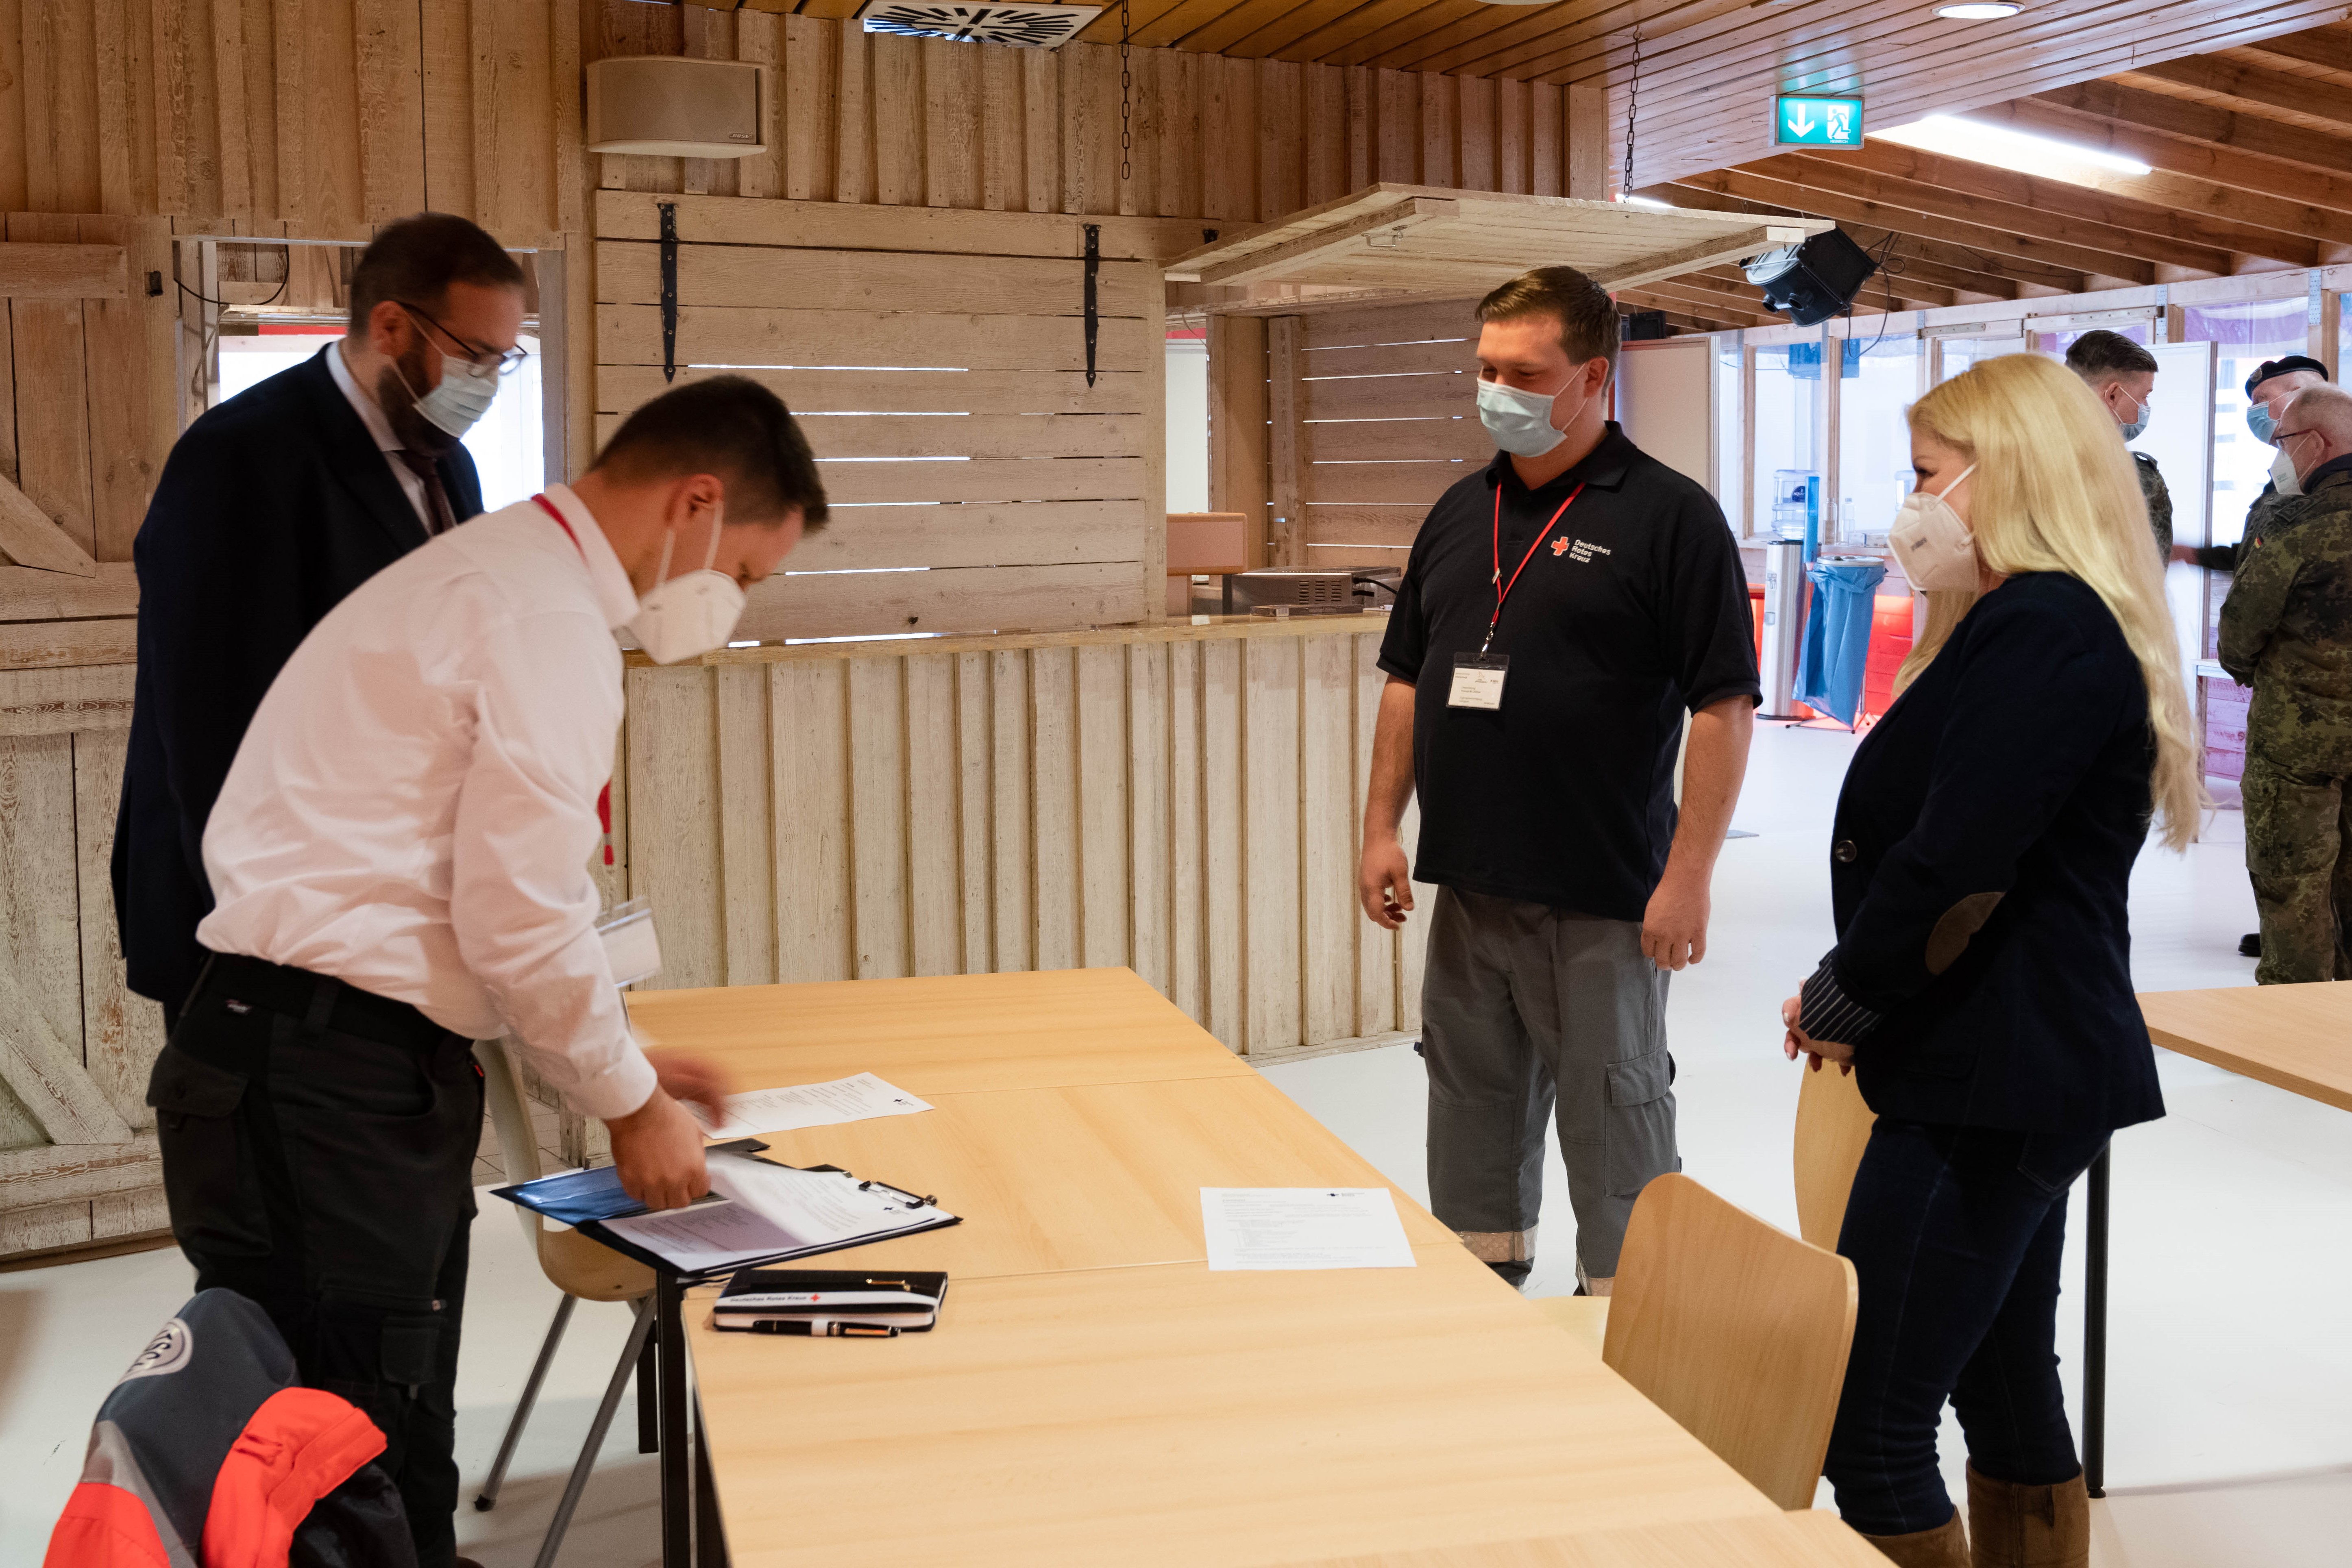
[(1981, 987)]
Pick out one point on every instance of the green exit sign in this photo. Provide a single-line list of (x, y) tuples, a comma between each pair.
[(1817, 121)]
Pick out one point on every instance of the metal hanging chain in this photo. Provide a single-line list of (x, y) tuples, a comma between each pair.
[(1633, 108), (1125, 82)]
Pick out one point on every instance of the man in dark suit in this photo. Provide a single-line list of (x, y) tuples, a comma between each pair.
[(272, 507)]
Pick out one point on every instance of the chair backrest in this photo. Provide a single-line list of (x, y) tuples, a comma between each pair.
[(1832, 1126), (576, 1264), (1737, 1330)]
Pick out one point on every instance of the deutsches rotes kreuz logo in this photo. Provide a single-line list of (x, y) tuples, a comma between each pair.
[(174, 1344)]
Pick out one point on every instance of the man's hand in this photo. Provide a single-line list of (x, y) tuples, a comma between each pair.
[(1799, 1042), (1384, 883), (658, 1148), (1674, 927), (691, 1079), (2184, 552)]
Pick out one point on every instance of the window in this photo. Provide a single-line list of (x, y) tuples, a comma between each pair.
[(1730, 361), (1874, 436), (2056, 344), (1954, 355), (2244, 336), (1788, 434)]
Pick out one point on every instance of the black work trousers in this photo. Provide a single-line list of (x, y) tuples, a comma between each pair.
[(318, 1147), (1954, 1234)]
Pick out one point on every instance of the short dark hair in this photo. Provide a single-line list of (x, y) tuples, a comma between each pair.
[(731, 426), (415, 260), (2096, 355), (1586, 315)]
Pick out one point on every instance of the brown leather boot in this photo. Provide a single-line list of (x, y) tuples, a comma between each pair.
[(1946, 1546), (2030, 1527)]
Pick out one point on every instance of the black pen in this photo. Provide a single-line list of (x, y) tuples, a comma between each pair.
[(819, 1328)]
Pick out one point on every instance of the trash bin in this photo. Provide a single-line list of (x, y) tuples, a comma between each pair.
[(1837, 634)]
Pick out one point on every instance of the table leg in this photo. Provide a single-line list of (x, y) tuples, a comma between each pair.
[(676, 1478), (709, 1535), (649, 1397), (2095, 1332)]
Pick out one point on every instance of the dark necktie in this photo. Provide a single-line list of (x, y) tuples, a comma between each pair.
[(437, 499)]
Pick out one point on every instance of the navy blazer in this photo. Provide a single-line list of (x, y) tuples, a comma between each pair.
[(271, 508), (1980, 872)]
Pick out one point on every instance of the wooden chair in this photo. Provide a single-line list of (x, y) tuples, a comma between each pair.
[(583, 1269), (1832, 1126), (1733, 1327)]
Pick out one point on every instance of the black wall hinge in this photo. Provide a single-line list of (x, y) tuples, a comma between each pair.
[(155, 284), (669, 289), (1208, 236), (1094, 266)]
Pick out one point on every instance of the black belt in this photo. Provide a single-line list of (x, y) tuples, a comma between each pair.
[(322, 1001)]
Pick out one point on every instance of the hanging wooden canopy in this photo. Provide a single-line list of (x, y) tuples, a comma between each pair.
[(1428, 241)]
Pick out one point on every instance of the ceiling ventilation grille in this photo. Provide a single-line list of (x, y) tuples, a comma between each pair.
[(1027, 26)]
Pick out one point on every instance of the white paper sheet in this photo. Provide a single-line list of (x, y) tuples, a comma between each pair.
[(810, 1105), (1303, 1228), (759, 1209)]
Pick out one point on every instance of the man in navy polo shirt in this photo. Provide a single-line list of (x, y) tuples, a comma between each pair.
[(1562, 611)]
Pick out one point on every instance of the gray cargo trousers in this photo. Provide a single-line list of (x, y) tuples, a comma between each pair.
[(1526, 1010)]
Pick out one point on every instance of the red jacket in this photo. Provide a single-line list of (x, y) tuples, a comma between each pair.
[(206, 1455)]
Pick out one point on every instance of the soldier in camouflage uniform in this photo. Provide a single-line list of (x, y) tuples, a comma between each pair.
[(2123, 375), (2287, 630), (2272, 385)]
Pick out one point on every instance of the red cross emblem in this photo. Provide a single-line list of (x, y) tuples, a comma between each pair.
[(1559, 546)]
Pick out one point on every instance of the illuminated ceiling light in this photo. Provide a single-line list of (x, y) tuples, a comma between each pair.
[(1652, 202), (1978, 11), (1980, 143)]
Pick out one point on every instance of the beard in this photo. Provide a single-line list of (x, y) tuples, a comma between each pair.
[(399, 404)]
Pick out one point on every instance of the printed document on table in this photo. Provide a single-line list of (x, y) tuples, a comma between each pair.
[(810, 1105), (760, 1210), (1303, 1228)]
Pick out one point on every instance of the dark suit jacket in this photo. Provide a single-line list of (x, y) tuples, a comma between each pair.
[(272, 507), (1983, 858)]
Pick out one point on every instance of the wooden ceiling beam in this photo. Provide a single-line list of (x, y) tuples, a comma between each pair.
[(2219, 166), (1931, 261), (1692, 314), (2193, 120), (2063, 198), (2329, 46), (2273, 90), (1939, 200)]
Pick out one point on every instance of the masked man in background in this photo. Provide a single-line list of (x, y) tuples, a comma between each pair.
[(271, 508), (2123, 376)]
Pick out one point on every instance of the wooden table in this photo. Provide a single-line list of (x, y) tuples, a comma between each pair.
[(2295, 1037), (1094, 1392)]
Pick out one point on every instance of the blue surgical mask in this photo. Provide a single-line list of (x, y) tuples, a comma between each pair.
[(2132, 430), (1520, 422), (2259, 421), (457, 404)]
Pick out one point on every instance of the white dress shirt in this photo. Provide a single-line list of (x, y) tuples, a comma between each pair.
[(412, 484), (414, 807)]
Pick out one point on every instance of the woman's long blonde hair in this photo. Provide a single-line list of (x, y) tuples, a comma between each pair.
[(2055, 490)]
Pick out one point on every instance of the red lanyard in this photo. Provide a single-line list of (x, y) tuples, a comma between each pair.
[(549, 507), (1502, 589), (605, 798)]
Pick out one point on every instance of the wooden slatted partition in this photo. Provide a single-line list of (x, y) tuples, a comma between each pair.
[(1183, 801), (1386, 417), (938, 363)]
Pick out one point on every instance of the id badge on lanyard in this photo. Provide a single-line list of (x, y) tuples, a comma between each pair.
[(1478, 678)]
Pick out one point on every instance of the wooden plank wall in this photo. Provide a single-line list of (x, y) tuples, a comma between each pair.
[(1182, 802), (1381, 417), (980, 483), (310, 118), (78, 1159), (868, 117)]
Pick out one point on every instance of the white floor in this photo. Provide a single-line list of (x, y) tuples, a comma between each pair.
[(2230, 1414)]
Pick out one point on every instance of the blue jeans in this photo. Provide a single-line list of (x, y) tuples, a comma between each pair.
[(1956, 1235)]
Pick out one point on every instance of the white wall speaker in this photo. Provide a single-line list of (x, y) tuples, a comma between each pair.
[(672, 106)]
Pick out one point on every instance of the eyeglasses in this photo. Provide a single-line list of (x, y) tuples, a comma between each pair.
[(506, 362)]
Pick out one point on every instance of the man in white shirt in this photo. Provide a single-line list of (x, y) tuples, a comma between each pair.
[(399, 866), (272, 507)]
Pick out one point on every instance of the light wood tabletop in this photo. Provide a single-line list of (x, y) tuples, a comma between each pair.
[(940, 1035), (1094, 1392), (2296, 1038), (1178, 1415), (1807, 1540)]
